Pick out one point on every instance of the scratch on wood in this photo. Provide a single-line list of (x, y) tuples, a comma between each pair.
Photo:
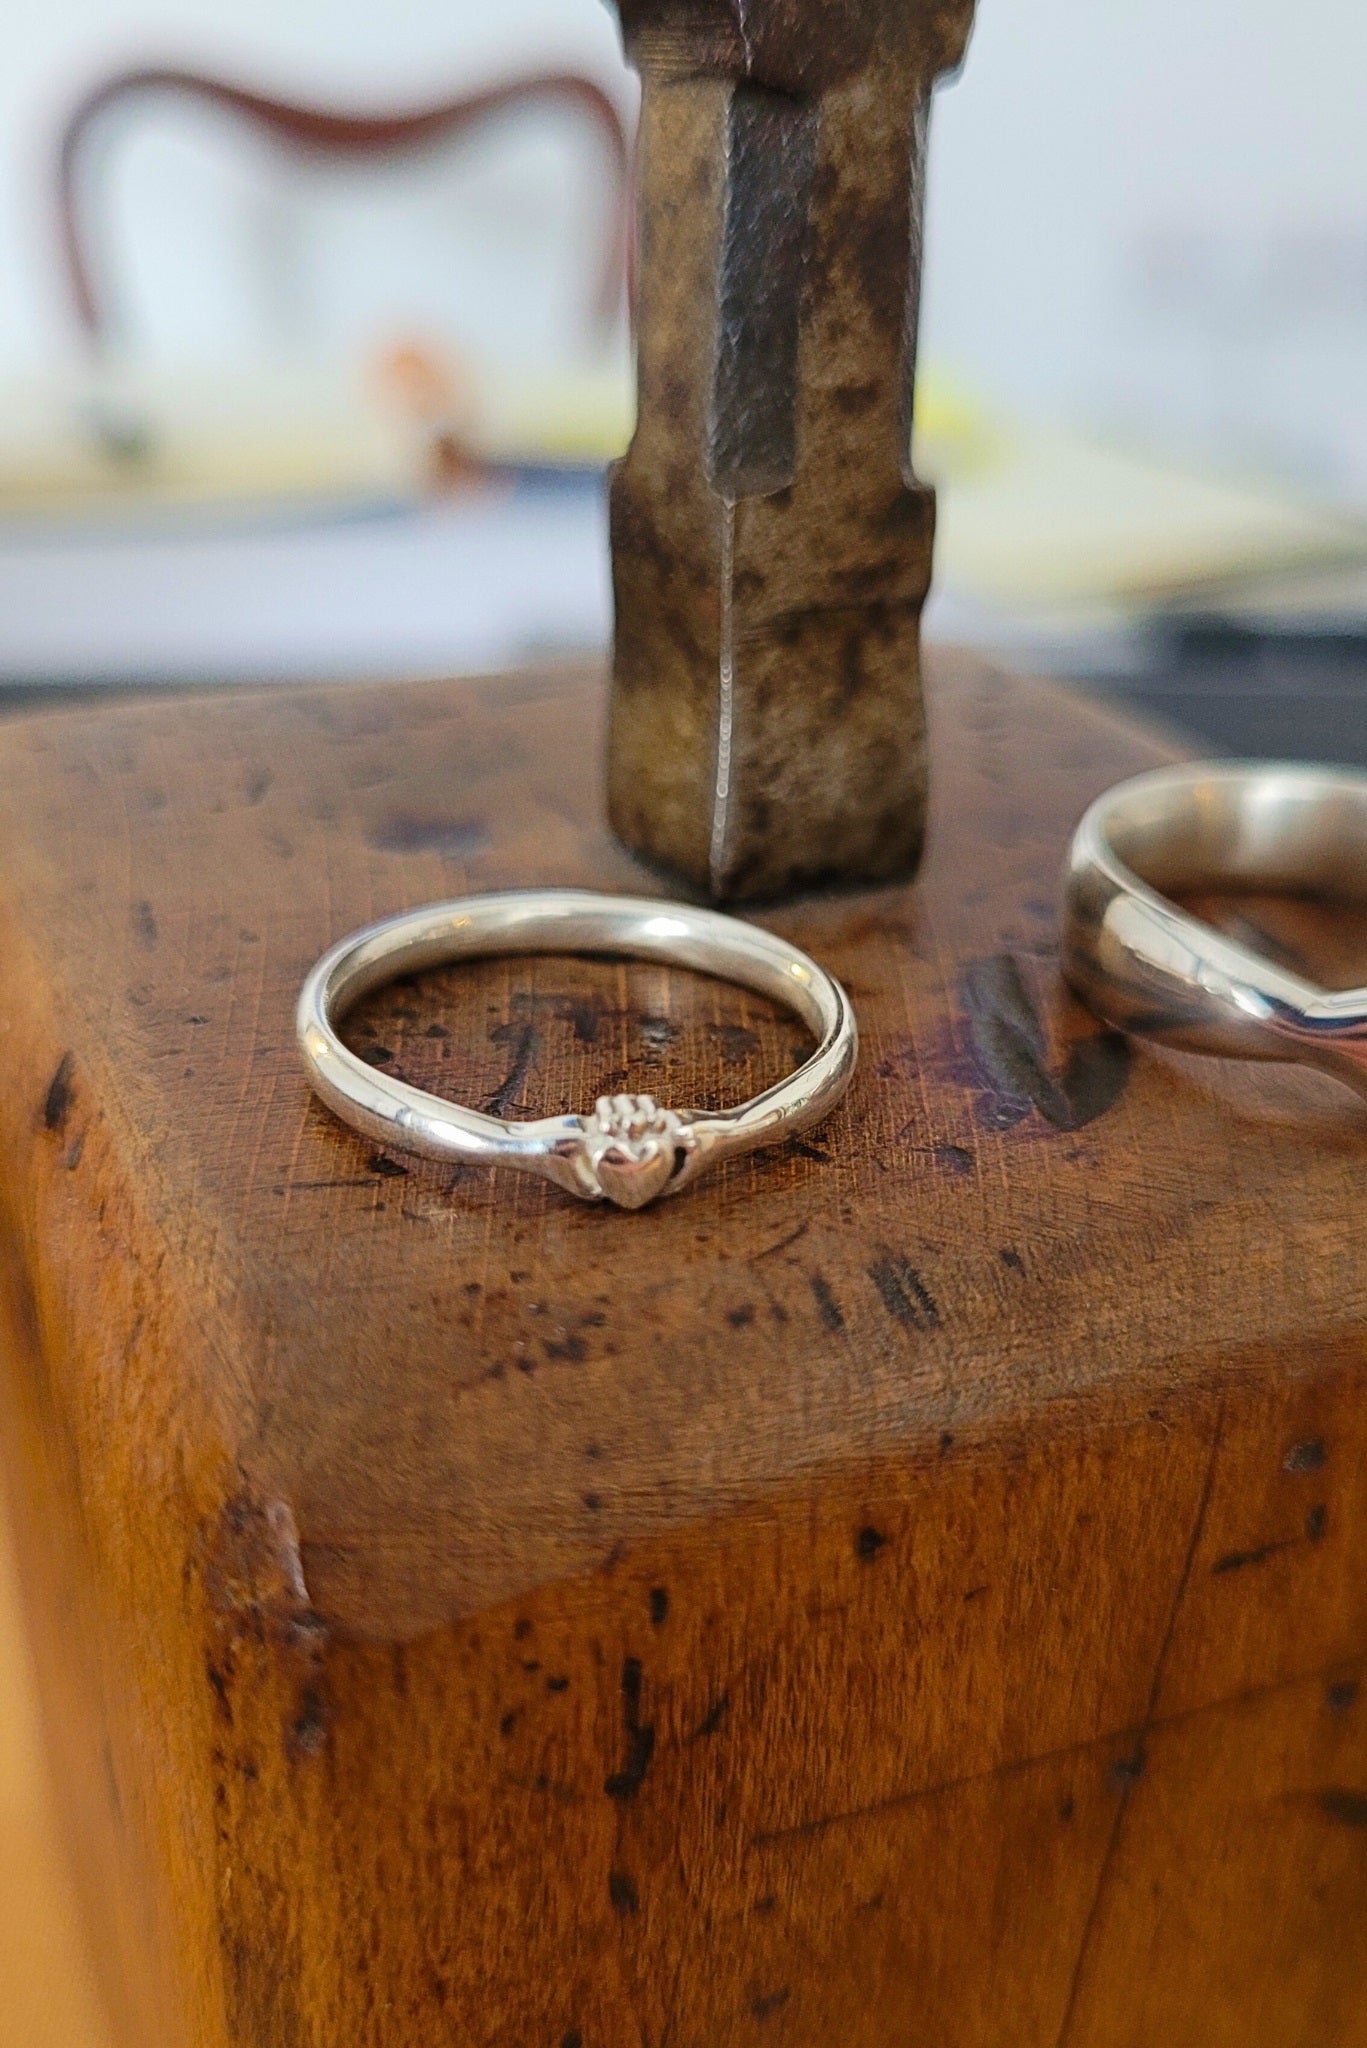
[(903, 1292), (523, 1039), (782, 1244), (1128, 1778)]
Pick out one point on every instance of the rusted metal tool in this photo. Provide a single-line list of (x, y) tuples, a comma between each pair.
[(771, 546)]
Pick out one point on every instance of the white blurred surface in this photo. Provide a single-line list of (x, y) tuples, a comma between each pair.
[(480, 583)]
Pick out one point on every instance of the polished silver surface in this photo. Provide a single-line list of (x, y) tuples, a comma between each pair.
[(1149, 968), (628, 1149)]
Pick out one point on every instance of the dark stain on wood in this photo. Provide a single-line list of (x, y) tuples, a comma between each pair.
[(763, 2004), (1238, 1560), (451, 838), (1306, 1457), (623, 1893), (640, 1737), (1344, 1804), (827, 1307), (869, 1542), (713, 1718), (57, 1102), (1011, 1049), (145, 924), (308, 1731)]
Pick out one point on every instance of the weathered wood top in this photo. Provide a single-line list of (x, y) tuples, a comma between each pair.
[(467, 1386)]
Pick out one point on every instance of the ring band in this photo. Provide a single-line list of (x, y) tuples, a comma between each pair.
[(1148, 968), (629, 1150)]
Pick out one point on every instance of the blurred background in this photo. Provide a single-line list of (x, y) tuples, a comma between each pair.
[(314, 346)]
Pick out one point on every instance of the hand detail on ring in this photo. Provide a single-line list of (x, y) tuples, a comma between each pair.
[(632, 1147)]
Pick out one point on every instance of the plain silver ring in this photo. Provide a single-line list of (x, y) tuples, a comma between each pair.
[(1148, 968), (629, 1149)]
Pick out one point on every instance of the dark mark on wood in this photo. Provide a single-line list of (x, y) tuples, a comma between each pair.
[(765, 2003), (522, 1038), (145, 924), (1342, 1803), (57, 1101), (903, 1293), (451, 838), (869, 1542), (659, 1605), (640, 1737), (737, 1042), (388, 1169), (571, 1347), (782, 1243), (1236, 1560), (828, 1308), (1306, 1457), (1341, 1695), (1128, 1770), (713, 1718), (1316, 1522), (309, 1731), (622, 1893), (1009, 1042)]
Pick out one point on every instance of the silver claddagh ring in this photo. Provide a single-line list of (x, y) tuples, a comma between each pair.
[(629, 1149)]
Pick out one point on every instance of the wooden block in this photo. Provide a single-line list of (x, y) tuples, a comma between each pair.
[(910, 1588)]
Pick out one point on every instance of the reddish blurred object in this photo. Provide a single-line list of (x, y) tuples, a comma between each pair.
[(434, 392), (323, 132)]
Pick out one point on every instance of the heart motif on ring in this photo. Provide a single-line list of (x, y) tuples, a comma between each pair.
[(631, 1144)]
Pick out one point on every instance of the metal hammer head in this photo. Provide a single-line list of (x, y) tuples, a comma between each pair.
[(771, 547)]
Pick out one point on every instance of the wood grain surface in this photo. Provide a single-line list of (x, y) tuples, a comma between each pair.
[(908, 1589), (47, 1995)]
